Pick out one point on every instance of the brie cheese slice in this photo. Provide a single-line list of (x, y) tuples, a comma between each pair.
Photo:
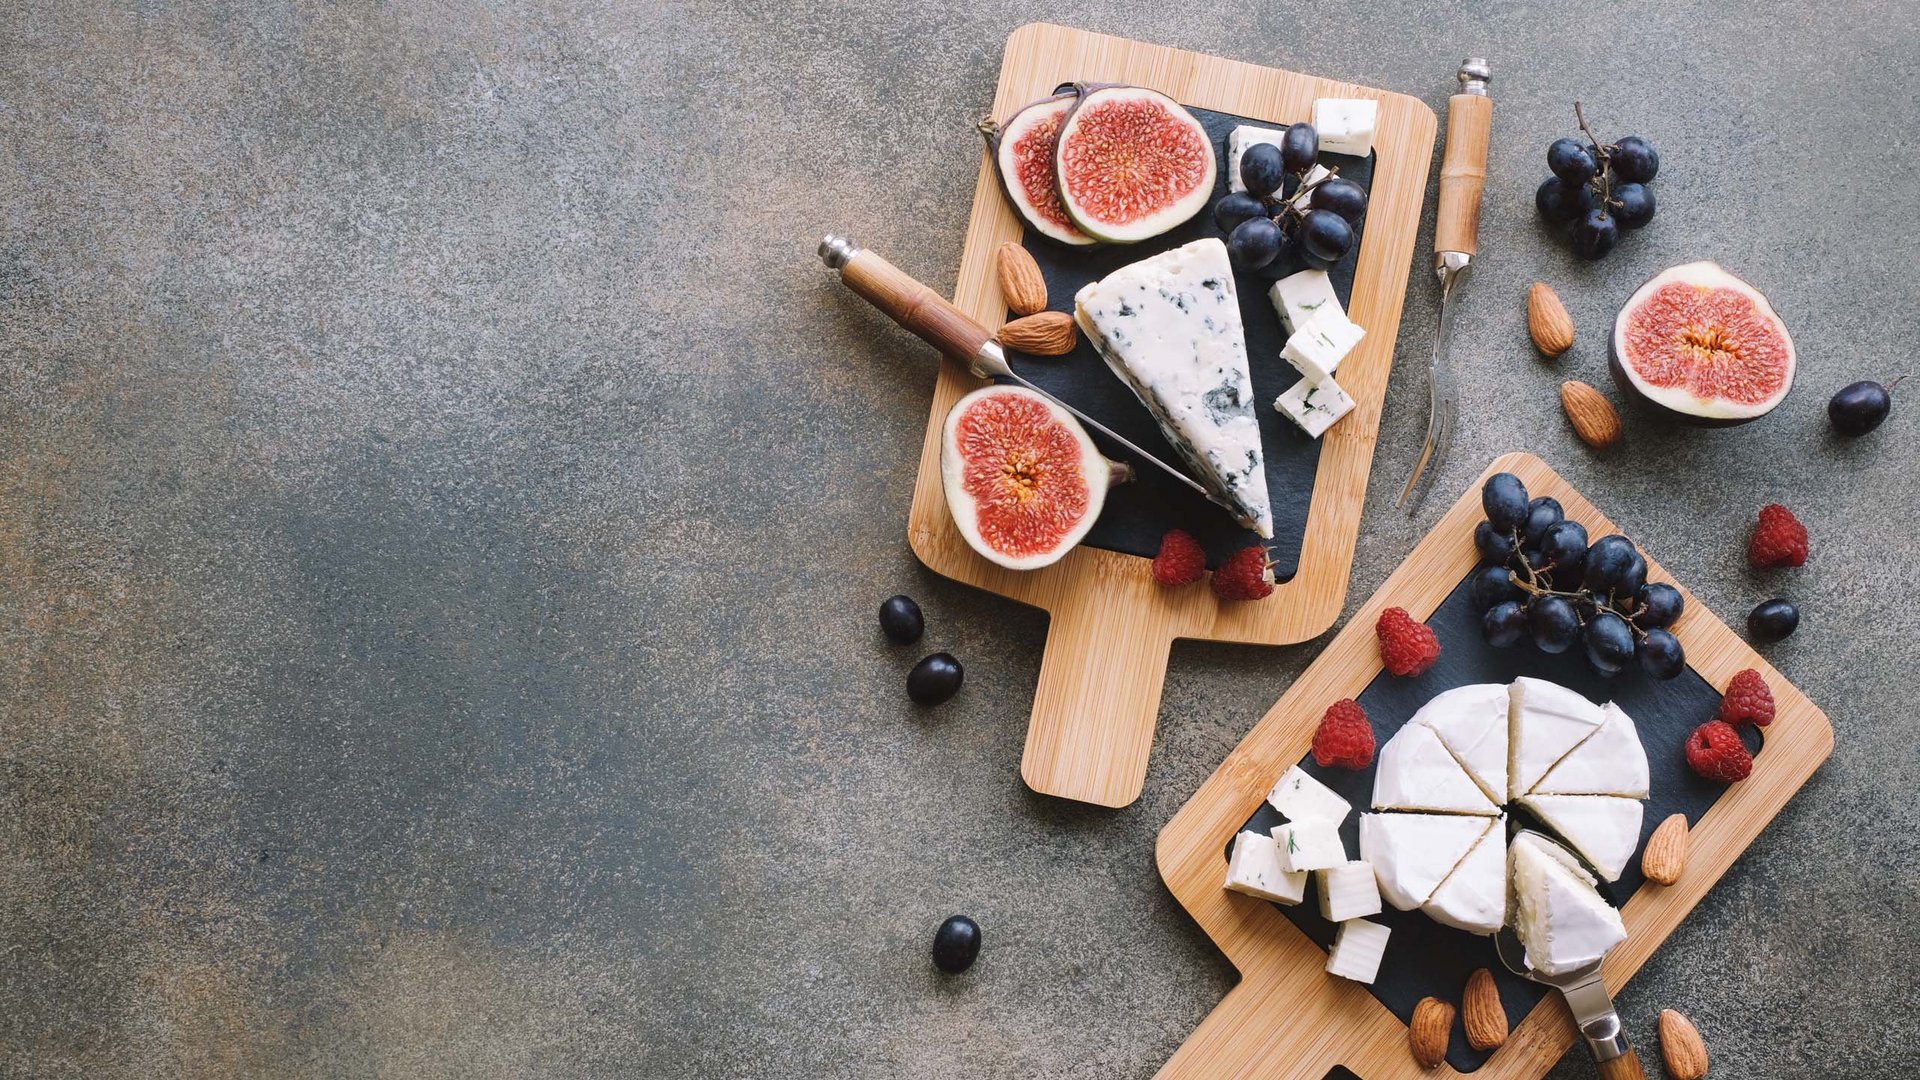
[(1254, 869), (1302, 798), (1417, 772), (1357, 949), (1610, 762), (1548, 720), (1472, 722), (1560, 918), (1604, 829), (1474, 896), (1413, 853)]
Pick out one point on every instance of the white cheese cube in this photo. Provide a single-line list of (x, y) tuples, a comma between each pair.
[(1316, 349), (1313, 844), (1302, 798), (1255, 869), (1237, 142), (1346, 125), (1298, 297), (1357, 950), (1349, 891), (1314, 405), (1314, 175)]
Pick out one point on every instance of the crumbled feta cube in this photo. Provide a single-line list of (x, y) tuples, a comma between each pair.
[(1314, 406), (1348, 891), (1357, 950), (1237, 142), (1255, 869), (1298, 297), (1346, 125), (1316, 349), (1313, 844)]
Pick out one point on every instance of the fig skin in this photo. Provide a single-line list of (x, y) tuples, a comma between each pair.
[(994, 132)]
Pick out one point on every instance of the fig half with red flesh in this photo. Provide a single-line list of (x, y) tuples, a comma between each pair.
[(1132, 163), (1701, 345), (1022, 150), (1023, 480)]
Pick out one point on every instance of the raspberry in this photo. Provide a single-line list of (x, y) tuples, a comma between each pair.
[(1344, 739), (1747, 700), (1715, 751), (1180, 561), (1406, 647), (1778, 540), (1246, 576)]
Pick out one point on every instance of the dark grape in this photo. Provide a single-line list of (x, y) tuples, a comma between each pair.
[(934, 679), (1555, 624), (1571, 160), (1773, 620), (1503, 624), (1496, 547), (1543, 513), (1859, 408), (1504, 498), (1300, 148), (1340, 195), (1325, 235), (1633, 205), (1609, 643), (1634, 576), (901, 621), (1565, 546), (1595, 234), (1607, 562), (1235, 207), (1657, 604), (1661, 655), (1261, 168), (1492, 585), (1253, 243), (956, 944), (1561, 202), (1633, 160)]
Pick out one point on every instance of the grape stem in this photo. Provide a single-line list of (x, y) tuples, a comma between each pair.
[(1605, 176), (1532, 587), (1293, 204)]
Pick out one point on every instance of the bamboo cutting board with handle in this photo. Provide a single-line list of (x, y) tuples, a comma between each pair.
[(1288, 1018), (1112, 628)]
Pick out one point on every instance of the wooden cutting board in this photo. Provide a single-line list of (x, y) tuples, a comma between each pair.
[(1112, 628), (1287, 1017)]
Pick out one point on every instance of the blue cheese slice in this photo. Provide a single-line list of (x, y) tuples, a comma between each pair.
[(1237, 142), (1314, 405), (1346, 125), (1169, 327), (1298, 297), (1316, 349)]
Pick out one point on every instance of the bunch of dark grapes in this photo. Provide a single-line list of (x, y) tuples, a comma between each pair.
[(1597, 189), (1268, 225), (1542, 580)]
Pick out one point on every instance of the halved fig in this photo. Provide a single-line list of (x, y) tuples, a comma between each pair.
[(1701, 345), (1022, 150), (1023, 479), (1132, 163)]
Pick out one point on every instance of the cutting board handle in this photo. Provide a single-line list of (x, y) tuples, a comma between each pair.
[(1099, 694), (1222, 1044)]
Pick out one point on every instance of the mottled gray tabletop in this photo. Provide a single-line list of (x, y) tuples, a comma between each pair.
[(443, 505)]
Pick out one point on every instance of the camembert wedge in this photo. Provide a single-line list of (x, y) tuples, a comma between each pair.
[(1559, 916), (1548, 720), (1604, 829), (1413, 853), (1417, 772), (1472, 723), (1474, 896), (1610, 761)]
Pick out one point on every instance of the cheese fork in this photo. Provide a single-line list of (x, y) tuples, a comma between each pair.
[(1587, 998)]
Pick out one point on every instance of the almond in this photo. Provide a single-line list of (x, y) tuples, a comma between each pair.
[(1666, 854), (1681, 1045), (1481, 1012), (1428, 1034), (1547, 320), (1020, 281), (1050, 333), (1591, 413)]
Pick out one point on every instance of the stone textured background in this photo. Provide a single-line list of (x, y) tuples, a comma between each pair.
[(443, 503)]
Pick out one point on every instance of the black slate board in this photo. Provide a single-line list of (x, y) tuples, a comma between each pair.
[(1138, 514), (1425, 958)]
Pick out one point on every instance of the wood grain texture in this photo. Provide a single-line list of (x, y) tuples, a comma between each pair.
[(1287, 1017), (914, 306), (1100, 681), (1624, 1067), (1463, 173)]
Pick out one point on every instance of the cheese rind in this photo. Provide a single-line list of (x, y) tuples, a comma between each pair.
[(1346, 125), (1417, 772), (1316, 349), (1314, 406), (1302, 798), (1348, 891), (1254, 869), (1472, 723), (1547, 721), (1237, 142), (1604, 829), (1474, 895), (1169, 327), (1562, 921), (1298, 297), (1412, 854), (1357, 949), (1313, 844), (1610, 761)]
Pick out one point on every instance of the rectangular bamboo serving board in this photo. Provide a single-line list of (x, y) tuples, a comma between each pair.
[(1111, 627), (1287, 1017)]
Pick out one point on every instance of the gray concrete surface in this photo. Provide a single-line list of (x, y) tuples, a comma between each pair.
[(442, 505)]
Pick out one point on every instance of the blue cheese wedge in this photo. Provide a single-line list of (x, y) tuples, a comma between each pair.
[(1254, 869), (1298, 297), (1169, 327), (1237, 142), (1314, 405), (1316, 349), (1346, 125)]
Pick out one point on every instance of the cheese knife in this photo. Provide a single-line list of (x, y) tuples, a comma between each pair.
[(1463, 172), (937, 322)]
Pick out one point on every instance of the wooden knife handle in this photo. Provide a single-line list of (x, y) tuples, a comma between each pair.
[(1463, 172), (914, 306), (1624, 1067)]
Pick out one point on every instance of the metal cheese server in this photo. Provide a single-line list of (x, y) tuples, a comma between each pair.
[(937, 322), (1463, 172)]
